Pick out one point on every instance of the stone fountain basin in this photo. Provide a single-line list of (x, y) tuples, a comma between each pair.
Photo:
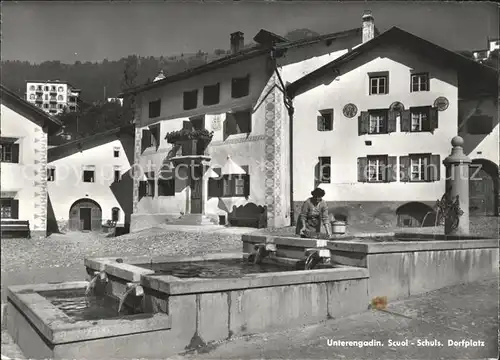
[(43, 331), (208, 310), (400, 265)]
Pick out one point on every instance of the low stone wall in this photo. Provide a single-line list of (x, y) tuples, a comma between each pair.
[(401, 269), (380, 213)]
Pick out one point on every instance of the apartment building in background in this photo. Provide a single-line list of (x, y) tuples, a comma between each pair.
[(53, 96)]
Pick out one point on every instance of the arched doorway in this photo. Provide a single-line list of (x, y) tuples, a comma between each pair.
[(85, 215), (483, 188), (415, 214)]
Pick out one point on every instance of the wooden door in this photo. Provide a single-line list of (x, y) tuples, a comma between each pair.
[(85, 218), (481, 192), (197, 191)]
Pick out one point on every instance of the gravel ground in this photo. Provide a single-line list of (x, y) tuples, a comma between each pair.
[(65, 250)]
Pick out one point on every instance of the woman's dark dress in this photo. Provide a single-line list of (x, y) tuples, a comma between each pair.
[(312, 216)]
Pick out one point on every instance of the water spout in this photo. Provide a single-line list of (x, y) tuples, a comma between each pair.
[(135, 288), (261, 251), (316, 256), (98, 275)]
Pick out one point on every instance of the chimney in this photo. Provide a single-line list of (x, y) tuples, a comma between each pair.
[(368, 26), (237, 42)]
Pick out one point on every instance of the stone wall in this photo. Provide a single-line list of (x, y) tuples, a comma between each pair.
[(365, 212)]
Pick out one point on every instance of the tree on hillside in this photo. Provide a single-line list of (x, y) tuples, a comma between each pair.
[(130, 73), (299, 34)]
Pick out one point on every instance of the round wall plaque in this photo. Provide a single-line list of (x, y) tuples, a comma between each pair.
[(350, 110), (441, 103), (397, 106)]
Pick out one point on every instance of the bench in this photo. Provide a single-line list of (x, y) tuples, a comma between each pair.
[(249, 215), (13, 228)]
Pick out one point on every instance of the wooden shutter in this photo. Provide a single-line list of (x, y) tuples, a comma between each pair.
[(152, 184), (404, 166), (15, 153), (15, 209), (392, 170), (435, 168), (321, 123), (230, 125), (362, 169), (146, 139), (391, 121), (405, 121), (363, 123), (433, 118), (246, 180), (155, 132), (215, 187), (142, 189)]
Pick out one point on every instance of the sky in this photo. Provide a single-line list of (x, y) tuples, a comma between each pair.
[(92, 31)]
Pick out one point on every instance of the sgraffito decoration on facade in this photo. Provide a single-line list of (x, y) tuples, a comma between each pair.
[(448, 209), (137, 153), (441, 103), (350, 110), (40, 180), (397, 106), (216, 123)]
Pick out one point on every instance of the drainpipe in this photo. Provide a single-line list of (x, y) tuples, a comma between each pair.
[(290, 108)]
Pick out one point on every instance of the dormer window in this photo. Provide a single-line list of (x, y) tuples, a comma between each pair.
[(211, 94)]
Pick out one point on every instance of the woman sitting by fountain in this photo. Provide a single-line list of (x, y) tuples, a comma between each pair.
[(313, 215)]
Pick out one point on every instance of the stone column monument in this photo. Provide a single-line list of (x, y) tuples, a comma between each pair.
[(457, 189)]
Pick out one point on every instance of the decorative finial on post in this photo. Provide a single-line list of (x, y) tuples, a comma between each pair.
[(457, 189)]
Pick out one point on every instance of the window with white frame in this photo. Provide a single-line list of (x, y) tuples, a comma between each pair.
[(377, 167), (234, 185), (378, 123), (420, 119), (420, 82), (418, 165), (378, 85)]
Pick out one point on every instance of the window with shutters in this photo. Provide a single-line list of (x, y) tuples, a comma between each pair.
[(377, 122), (325, 169), (325, 120), (190, 99), (147, 188), (420, 167), (377, 168), (154, 108), (379, 84), (51, 173), (9, 208), (239, 122), (235, 185), (211, 94), (240, 87), (420, 119), (420, 82)]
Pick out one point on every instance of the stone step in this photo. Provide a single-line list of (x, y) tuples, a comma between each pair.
[(193, 219)]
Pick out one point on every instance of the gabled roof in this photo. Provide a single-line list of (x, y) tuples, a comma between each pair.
[(405, 40), (242, 55), (72, 147), (31, 111)]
